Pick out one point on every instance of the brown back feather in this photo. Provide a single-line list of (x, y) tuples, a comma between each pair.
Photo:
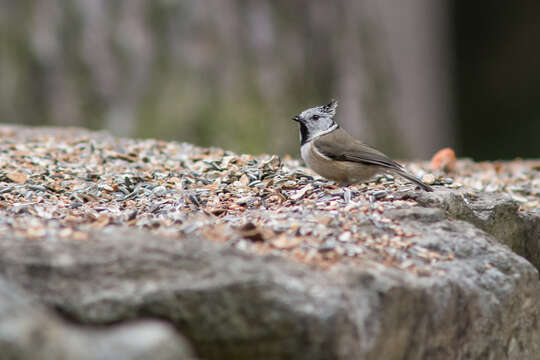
[(339, 145)]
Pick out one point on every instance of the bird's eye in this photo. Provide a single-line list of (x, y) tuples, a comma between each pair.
[(315, 117)]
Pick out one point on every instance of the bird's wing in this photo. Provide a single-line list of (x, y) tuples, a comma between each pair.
[(339, 145)]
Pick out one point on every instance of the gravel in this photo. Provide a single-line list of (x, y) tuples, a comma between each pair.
[(67, 182)]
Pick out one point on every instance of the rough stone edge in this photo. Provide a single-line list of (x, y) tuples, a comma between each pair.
[(395, 291), (30, 330), (495, 213)]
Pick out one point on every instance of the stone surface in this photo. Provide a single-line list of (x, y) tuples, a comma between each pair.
[(30, 331), (495, 213), (481, 303), (124, 246), (531, 240)]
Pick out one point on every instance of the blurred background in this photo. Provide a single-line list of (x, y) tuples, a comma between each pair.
[(411, 76)]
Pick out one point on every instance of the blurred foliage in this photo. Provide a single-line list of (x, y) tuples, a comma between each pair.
[(168, 69), (231, 73)]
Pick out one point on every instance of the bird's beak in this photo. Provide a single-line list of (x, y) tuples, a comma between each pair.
[(296, 118)]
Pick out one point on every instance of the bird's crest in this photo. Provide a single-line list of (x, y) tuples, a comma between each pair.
[(330, 108)]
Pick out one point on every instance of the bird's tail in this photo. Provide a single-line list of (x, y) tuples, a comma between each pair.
[(414, 179)]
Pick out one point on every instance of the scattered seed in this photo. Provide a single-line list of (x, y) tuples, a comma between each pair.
[(73, 182)]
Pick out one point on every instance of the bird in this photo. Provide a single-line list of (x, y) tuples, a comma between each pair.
[(336, 155)]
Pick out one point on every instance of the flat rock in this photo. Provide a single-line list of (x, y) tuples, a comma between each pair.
[(479, 303), (29, 331)]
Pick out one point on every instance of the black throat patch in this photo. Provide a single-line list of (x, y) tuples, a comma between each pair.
[(304, 134)]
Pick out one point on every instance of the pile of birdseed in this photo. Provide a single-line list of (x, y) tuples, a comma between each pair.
[(64, 183)]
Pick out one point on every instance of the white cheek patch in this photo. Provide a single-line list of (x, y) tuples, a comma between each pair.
[(312, 136), (329, 130)]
